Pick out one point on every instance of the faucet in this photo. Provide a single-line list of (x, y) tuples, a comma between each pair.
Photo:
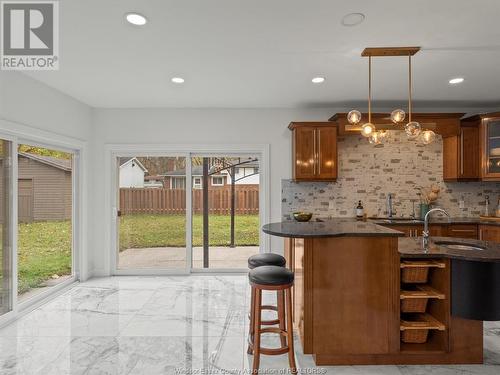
[(389, 206), (425, 233)]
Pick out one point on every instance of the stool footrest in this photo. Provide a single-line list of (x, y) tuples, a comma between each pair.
[(269, 307), (273, 351), (273, 330)]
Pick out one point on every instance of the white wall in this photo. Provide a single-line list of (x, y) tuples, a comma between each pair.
[(32, 109), (192, 126)]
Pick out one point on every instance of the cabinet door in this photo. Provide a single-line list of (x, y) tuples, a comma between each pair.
[(489, 233), (491, 149), (451, 158), (469, 153), (463, 231), (326, 153), (305, 153)]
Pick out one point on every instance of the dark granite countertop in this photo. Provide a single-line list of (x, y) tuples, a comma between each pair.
[(412, 248), (329, 228), (435, 220)]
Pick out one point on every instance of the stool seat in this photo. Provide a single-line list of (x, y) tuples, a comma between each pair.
[(266, 259), (270, 275)]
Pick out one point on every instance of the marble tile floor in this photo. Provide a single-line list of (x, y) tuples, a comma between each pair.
[(183, 325)]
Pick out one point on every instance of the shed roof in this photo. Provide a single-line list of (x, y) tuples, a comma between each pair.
[(64, 164)]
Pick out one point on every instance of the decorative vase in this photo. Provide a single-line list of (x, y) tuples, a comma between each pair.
[(424, 208)]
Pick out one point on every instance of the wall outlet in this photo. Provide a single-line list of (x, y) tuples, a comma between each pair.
[(331, 205), (461, 203)]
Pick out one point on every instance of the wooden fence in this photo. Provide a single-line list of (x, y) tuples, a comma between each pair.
[(173, 201)]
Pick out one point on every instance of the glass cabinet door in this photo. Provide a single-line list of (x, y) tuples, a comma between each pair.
[(492, 147)]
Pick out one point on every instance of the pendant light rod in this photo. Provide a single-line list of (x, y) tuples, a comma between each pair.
[(409, 88), (370, 89)]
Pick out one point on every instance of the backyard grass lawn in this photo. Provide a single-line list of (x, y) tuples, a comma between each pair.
[(44, 250), (139, 231), (45, 247)]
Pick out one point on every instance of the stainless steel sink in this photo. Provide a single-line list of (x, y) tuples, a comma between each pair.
[(399, 221), (459, 245)]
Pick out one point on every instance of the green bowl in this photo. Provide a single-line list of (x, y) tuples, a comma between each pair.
[(302, 216)]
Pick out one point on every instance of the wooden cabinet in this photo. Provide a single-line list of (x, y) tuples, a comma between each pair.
[(463, 231), (489, 233), (490, 147), (473, 153), (461, 155), (314, 151)]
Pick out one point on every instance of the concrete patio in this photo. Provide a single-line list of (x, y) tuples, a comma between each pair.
[(175, 257)]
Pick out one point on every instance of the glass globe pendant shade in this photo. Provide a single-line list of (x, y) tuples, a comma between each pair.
[(397, 116), (413, 129), (376, 138), (367, 129), (428, 136), (354, 117)]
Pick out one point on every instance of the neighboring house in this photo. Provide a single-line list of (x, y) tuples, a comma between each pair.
[(45, 188), (177, 179), (154, 181), (251, 170), (131, 173)]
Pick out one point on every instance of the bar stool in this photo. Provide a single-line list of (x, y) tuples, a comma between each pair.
[(278, 279), (259, 260)]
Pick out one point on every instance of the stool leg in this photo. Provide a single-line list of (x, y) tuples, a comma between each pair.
[(281, 315), (252, 321), (256, 331), (289, 330)]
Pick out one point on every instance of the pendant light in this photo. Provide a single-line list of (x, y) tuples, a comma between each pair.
[(368, 129), (412, 128)]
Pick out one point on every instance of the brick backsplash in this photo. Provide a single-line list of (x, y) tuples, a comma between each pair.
[(368, 173)]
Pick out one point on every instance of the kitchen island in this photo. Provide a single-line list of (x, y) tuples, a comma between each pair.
[(350, 290)]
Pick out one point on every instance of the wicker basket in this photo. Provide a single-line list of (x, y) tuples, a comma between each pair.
[(414, 274), (414, 305), (415, 336)]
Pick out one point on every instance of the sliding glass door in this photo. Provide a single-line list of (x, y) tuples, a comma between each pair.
[(5, 226), (45, 219), (225, 210), (152, 215)]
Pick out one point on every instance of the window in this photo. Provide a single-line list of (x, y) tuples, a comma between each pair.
[(196, 182), (217, 181), (178, 183), (237, 170)]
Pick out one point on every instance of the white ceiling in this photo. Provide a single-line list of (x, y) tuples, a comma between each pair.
[(263, 53)]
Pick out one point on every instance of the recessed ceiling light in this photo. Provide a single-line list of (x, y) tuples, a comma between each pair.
[(136, 19), (454, 81), (178, 80), (353, 19), (318, 80)]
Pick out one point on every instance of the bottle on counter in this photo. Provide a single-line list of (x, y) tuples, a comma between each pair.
[(360, 211), (497, 213)]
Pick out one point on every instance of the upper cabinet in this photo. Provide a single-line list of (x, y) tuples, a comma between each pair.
[(461, 155), (314, 151), (473, 153), (490, 147)]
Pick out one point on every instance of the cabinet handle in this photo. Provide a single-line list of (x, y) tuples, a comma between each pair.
[(318, 152), (314, 153), (464, 230), (461, 153)]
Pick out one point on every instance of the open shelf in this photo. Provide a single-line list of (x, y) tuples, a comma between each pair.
[(420, 321), (420, 291), (422, 263)]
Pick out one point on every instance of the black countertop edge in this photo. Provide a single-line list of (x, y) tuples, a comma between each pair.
[(329, 228), (436, 220), (411, 247)]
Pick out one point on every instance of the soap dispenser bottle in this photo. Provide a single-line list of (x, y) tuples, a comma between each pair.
[(360, 211)]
